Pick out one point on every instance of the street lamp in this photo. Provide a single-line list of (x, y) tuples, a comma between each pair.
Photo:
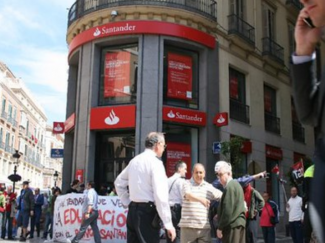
[(55, 176), (15, 177)]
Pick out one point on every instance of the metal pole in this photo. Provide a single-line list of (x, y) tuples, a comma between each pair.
[(15, 170)]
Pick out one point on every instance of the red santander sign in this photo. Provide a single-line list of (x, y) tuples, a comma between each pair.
[(273, 152), (221, 119), (70, 123), (184, 116), (112, 117)]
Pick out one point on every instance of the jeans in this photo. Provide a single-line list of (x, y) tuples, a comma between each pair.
[(6, 220), (48, 225), (92, 221), (296, 231), (268, 234)]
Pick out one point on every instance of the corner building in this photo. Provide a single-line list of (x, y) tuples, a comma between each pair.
[(137, 67)]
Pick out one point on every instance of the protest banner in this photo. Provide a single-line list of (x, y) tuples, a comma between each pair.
[(68, 216)]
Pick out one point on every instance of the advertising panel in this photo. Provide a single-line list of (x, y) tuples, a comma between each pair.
[(117, 74), (179, 76), (176, 152)]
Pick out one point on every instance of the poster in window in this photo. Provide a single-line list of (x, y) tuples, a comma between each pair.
[(176, 152), (117, 74), (179, 76), (267, 102), (234, 87)]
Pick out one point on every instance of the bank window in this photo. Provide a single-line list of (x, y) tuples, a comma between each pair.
[(181, 77), (119, 73)]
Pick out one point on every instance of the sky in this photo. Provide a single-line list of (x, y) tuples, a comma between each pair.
[(33, 46)]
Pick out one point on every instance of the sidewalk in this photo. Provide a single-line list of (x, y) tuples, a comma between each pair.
[(279, 238)]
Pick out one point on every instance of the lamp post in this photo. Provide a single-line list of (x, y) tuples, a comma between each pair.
[(55, 176), (15, 177)]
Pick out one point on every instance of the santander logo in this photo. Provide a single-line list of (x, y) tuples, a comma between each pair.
[(221, 119), (171, 114), (112, 119), (58, 128), (97, 32)]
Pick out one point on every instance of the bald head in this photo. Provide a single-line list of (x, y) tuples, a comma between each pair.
[(198, 173)]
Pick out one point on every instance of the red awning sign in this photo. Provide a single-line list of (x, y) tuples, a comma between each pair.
[(184, 116)]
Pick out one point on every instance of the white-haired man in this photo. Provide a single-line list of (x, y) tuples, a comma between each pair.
[(231, 210)]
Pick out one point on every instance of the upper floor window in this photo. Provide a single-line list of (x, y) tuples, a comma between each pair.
[(9, 110), (238, 8), (272, 122), (268, 22), (119, 74), (181, 77), (237, 92), (3, 109)]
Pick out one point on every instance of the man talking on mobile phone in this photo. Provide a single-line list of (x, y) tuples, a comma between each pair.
[(309, 98)]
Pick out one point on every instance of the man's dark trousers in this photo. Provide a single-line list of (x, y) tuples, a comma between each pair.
[(296, 231), (92, 221), (139, 223), (6, 219), (268, 234), (176, 212), (36, 221)]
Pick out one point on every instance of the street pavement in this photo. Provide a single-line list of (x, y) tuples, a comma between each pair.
[(279, 239)]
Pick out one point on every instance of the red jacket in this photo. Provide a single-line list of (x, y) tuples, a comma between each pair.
[(265, 216), (12, 197)]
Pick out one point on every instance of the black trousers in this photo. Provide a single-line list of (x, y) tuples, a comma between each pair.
[(139, 223), (176, 212), (317, 201)]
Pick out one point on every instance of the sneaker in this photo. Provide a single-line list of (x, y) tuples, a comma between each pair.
[(22, 238)]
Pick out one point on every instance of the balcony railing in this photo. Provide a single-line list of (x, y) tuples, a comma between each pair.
[(295, 3), (298, 132), (239, 27), (239, 111), (4, 115), (9, 149), (81, 8), (273, 49), (272, 123)]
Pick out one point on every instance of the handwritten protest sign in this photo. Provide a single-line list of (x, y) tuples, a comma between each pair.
[(68, 215)]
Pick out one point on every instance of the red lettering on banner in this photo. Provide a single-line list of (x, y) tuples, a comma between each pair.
[(112, 234), (71, 215), (110, 218)]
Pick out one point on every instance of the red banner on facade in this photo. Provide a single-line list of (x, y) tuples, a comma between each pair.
[(179, 76), (70, 123), (176, 152), (58, 127), (273, 152), (184, 116), (112, 117), (80, 175), (117, 74), (267, 101), (234, 88)]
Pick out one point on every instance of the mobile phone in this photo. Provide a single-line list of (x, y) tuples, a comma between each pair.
[(309, 22)]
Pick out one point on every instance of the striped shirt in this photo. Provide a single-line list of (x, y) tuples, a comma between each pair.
[(195, 214)]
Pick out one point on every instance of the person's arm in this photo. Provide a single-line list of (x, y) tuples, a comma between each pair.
[(217, 194), (226, 208), (288, 206), (121, 185), (160, 192), (259, 201), (192, 197)]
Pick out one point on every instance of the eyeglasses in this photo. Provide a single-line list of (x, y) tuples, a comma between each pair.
[(219, 174)]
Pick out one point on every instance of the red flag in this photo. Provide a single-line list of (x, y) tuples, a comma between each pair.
[(298, 170), (275, 169)]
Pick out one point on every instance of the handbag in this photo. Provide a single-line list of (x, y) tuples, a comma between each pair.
[(273, 219)]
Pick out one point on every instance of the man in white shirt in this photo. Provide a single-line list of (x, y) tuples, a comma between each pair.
[(90, 214), (143, 186), (294, 207), (175, 185)]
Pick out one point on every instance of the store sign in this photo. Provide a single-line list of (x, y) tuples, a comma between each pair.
[(246, 147), (58, 127), (273, 152), (117, 74), (221, 119), (80, 175), (177, 151), (142, 27), (56, 153), (112, 117), (179, 76), (70, 123), (184, 116)]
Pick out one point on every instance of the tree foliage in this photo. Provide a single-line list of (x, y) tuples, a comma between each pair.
[(231, 150)]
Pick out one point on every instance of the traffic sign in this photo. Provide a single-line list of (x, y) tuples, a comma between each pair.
[(57, 153), (216, 148)]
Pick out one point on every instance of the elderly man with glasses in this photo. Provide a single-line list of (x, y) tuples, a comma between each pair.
[(231, 210)]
